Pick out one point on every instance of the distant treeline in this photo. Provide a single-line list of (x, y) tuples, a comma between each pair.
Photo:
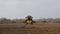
[(9, 21)]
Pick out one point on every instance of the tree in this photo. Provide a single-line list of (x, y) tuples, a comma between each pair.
[(29, 17)]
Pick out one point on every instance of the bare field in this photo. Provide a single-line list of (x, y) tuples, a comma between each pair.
[(30, 29)]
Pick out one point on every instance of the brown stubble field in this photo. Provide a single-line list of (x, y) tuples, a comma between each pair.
[(30, 29)]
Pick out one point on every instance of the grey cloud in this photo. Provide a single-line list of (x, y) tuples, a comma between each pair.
[(36, 8)]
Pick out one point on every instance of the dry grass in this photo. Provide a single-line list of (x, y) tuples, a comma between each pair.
[(31, 29)]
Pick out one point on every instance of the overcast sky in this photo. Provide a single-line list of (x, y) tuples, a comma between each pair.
[(36, 8)]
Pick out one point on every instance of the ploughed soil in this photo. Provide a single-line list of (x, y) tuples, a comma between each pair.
[(30, 29)]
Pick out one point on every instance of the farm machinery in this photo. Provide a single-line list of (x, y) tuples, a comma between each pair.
[(29, 20)]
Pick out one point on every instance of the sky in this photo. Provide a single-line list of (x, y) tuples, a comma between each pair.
[(16, 9)]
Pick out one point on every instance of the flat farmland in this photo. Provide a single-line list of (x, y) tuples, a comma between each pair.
[(29, 29)]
